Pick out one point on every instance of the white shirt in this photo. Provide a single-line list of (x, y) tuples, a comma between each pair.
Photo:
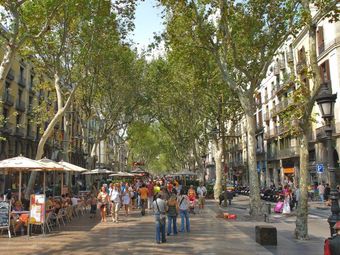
[(184, 205), (161, 205), (115, 196), (201, 191), (74, 201)]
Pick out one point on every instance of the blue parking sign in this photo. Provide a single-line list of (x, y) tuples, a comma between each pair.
[(319, 168)]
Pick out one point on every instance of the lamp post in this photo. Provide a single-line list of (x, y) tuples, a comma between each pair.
[(326, 101)]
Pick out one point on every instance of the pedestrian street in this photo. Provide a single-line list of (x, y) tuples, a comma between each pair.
[(135, 234)]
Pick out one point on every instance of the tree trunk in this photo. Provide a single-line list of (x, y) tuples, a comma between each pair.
[(48, 131), (301, 230), (6, 63), (66, 148), (254, 196), (218, 166)]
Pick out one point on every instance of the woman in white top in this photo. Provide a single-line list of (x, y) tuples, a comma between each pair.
[(126, 199), (183, 203)]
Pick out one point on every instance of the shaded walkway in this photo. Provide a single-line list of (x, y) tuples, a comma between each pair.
[(135, 235)]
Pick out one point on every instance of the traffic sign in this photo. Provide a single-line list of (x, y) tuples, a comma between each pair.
[(319, 168)]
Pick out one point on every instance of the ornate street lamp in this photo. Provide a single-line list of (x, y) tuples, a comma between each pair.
[(326, 101)]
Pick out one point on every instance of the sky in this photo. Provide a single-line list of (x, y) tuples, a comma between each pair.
[(148, 20)]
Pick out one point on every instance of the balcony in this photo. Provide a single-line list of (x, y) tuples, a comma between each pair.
[(290, 152), (273, 111), (324, 47), (272, 133), (8, 99), (259, 127), (321, 132), (259, 151), (266, 116), (7, 128), (284, 104), (20, 105), (22, 82), (20, 132), (272, 155), (290, 56), (265, 99)]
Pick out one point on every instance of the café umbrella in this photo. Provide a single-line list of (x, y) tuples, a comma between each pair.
[(98, 171), (123, 174), (21, 164), (54, 166), (69, 167)]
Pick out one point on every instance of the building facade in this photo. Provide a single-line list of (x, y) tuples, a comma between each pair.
[(277, 150)]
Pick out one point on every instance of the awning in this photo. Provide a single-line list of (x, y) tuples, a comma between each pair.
[(289, 170)]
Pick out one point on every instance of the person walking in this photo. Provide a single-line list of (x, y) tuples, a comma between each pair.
[(201, 192), (173, 211), (321, 189), (150, 187), (159, 208), (126, 200), (103, 200), (183, 204), (116, 202), (143, 192)]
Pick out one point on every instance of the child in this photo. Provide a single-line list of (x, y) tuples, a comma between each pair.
[(93, 203)]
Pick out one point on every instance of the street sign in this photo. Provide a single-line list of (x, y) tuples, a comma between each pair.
[(319, 168)]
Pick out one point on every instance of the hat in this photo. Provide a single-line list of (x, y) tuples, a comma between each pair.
[(337, 226)]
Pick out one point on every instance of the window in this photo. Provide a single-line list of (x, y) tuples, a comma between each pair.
[(320, 40), (325, 72), (18, 119), (19, 95), (32, 79), (22, 70), (302, 55)]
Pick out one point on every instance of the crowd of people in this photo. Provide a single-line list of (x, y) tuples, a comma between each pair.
[(166, 199)]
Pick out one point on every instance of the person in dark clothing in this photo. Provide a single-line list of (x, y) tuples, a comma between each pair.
[(334, 243)]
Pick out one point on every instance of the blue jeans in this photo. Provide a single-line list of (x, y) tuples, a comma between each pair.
[(160, 230), (172, 220), (184, 215), (321, 197)]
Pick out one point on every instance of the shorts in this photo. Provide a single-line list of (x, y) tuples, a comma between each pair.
[(201, 200)]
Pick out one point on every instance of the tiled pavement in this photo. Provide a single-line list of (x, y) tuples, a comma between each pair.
[(135, 235)]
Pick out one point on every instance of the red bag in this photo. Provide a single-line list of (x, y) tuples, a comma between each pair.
[(326, 248)]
